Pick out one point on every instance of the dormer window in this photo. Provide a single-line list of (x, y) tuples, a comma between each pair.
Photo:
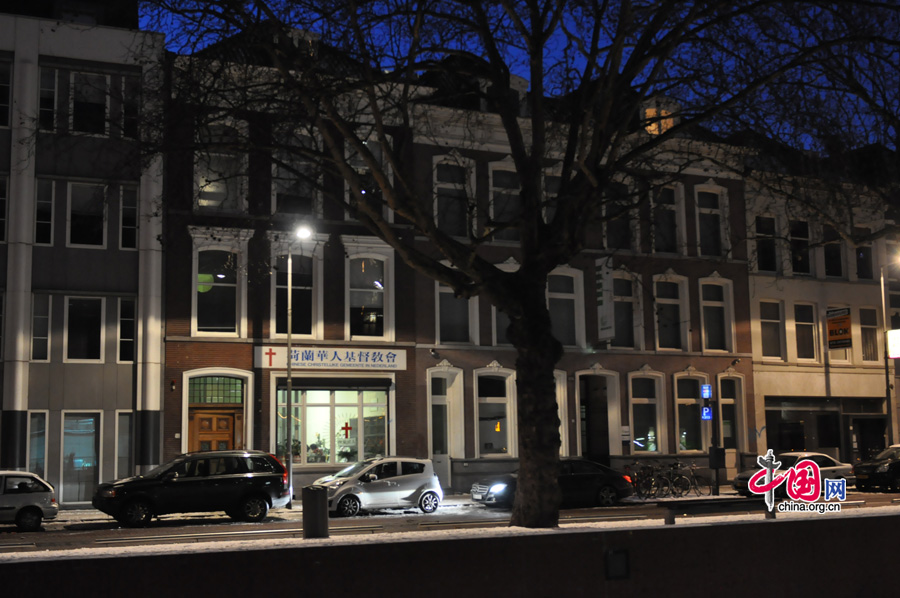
[(659, 115)]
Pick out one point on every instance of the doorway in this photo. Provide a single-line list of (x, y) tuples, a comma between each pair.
[(594, 395), (214, 429), (868, 437)]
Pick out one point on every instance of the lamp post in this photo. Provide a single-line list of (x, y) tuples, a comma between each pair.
[(302, 232), (887, 357)]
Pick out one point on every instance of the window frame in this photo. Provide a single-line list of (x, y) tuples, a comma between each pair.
[(60, 488), (4, 207), (657, 401), (577, 297), (830, 240), (105, 216), (53, 95), (51, 183), (122, 209), (49, 318), (677, 208), (311, 248), (508, 166), (510, 401), (361, 170), (232, 241), (277, 182), (370, 248), (683, 310), (103, 323), (879, 338), (798, 245), (6, 98), (472, 311), (131, 438), (813, 326), (469, 188), (782, 327), (722, 212), (119, 336), (106, 104), (727, 305), (204, 156), (705, 432), (28, 454)]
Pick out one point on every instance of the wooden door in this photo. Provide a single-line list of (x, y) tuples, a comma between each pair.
[(211, 431)]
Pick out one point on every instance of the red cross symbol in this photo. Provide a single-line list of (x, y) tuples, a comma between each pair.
[(346, 429), (271, 353)]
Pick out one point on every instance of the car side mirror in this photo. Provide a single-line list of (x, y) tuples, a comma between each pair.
[(172, 475), (370, 477)]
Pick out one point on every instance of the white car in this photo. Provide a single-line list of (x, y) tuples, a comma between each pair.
[(383, 483), (829, 468), (26, 500)]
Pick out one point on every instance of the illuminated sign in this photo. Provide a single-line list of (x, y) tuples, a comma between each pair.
[(839, 328)]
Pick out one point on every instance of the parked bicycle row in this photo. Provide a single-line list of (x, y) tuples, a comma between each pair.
[(667, 480)]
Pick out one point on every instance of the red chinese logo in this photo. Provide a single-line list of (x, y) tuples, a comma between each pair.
[(803, 481)]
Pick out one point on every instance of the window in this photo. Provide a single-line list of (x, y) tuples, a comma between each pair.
[(834, 252), (496, 414), (128, 217), (619, 218), (645, 425), (124, 445), (81, 456), (766, 254), (339, 425), (37, 443), (715, 298), (658, 120), (89, 103), (295, 180), (671, 313), (219, 170), (87, 215), (868, 323), (43, 212), (863, 254), (506, 202), (40, 327), (369, 275), (369, 189), (456, 317), (711, 222), (47, 101), (2, 317), (687, 399), (84, 329), (216, 292), (805, 330), (565, 302), (729, 395), (771, 327), (665, 221), (453, 211), (301, 294), (131, 102), (800, 247), (626, 306), (127, 329), (5, 87), (3, 206)]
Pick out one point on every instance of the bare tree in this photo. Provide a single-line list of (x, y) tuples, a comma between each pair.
[(596, 92)]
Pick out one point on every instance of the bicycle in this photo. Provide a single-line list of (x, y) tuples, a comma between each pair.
[(698, 485)]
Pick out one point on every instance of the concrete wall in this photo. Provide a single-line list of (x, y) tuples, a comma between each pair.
[(839, 556)]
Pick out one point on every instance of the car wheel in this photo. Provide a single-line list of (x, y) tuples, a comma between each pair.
[(29, 520), (607, 496), (136, 513), (348, 506), (254, 508), (429, 502)]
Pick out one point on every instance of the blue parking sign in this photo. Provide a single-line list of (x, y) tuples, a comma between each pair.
[(706, 413), (706, 391)]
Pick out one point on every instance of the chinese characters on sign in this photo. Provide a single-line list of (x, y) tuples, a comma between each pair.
[(803, 482), (331, 358)]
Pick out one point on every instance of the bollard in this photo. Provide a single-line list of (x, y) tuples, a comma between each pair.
[(315, 511)]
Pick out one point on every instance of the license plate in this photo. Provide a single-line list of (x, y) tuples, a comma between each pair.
[(477, 496), (862, 476)]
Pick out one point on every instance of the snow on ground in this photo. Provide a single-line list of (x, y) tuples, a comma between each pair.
[(418, 536)]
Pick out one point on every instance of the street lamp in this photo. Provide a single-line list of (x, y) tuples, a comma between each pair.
[(887, 357), (304, 231)]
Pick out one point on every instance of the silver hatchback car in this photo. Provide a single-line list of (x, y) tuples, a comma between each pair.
[(383, 483), (26, 500)]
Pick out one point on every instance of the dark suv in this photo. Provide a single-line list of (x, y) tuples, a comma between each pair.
[(244, 484), (883, 470)]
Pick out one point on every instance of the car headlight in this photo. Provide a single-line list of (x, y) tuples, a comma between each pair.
[(107, 493), (883, 468), (497, 489)]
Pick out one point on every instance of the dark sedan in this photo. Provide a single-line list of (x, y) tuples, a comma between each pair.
[(582, 482), (882, 471)]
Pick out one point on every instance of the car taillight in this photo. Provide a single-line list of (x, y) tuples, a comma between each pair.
[(627, 478), (284, 471)]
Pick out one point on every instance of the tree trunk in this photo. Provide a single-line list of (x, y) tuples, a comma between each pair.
[(537, 496)]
